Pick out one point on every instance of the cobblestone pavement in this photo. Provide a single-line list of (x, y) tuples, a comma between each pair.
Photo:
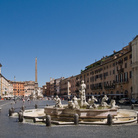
[(11, 128)]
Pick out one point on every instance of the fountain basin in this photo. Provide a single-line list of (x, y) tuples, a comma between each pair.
[(83, 113)]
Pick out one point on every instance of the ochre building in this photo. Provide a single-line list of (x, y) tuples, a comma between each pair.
[(18, 88)]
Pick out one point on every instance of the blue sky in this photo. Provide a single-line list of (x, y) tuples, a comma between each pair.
[(64, 35)]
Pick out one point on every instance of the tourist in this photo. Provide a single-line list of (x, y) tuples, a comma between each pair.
[(23, 100)]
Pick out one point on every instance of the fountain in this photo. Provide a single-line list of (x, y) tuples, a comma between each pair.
[(84, 110), (79, 111), (36, 94)]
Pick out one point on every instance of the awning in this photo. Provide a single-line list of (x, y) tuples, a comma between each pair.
[(8, 96)]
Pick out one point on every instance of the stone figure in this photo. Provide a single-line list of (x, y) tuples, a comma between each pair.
[(36, 94), (103, 102), (58, 102), (92, 101), (33, 95), (112, 103), (82, 95), (71, 105), (39, 94), (76, 102)]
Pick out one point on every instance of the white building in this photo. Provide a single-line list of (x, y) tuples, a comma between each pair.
[(6, 87)]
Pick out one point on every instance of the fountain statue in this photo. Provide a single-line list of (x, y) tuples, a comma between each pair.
[(71, 105), (92, 101), (76, 102), (112, 104), (82, 100), (103, 102), (39, 93), (33, 95), (58, 102), (36, 94)]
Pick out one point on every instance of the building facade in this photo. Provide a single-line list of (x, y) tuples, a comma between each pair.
[(65, 86), (135, 67), (29, 87), (112, 75), (72, 87), (115, 75), (18, 88), (6, 87), (44, 90), (54, 86), (52, 89), (48, 89)]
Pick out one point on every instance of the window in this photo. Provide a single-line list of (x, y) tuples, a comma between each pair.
[(117, 78), (125, 65), (125, 76), (125, 58), (113, 71), (91, 79), (92, 86), (130, 56), (121, 78), (130, 74), (105, 74)]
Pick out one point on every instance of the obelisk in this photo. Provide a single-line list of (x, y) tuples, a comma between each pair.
[(35, 69), (36, 83), (0, 68)]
